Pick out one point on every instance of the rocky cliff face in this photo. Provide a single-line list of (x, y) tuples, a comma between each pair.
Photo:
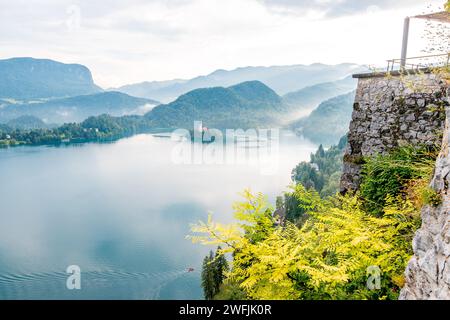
[(413, 109), (428, 272), (388, 112)]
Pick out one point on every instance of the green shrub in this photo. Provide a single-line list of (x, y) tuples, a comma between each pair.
[(431, 197), (389, 175)]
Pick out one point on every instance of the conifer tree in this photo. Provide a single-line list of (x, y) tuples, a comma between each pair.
[(208, 276), (213, 273)]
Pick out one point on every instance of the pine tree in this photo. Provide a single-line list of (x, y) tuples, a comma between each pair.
[(321, 152), (208, 276), (213, 273)]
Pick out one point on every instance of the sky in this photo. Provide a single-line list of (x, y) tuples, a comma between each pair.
[(131, 41)]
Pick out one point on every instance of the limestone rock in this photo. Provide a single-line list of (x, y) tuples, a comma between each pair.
[(428, 272)]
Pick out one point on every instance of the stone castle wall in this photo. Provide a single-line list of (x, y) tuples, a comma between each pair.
[(390, 111)]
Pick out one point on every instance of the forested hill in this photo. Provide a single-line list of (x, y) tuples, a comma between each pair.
[(27, 122), (249, 104), (329, 121)]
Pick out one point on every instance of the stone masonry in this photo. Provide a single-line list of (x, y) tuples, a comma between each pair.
[(391, 110)]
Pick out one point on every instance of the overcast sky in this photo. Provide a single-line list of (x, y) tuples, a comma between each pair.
[(135, 40)]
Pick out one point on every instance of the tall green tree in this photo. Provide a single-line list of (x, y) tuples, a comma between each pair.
[(208, 277), (213, 273)]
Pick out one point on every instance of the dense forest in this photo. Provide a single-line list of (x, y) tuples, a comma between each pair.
[(323, 171), (101, 128)]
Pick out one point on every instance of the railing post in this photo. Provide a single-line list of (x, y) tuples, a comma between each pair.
[(404, 43)]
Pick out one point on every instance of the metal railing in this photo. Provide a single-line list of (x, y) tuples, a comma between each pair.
[(430, 61)]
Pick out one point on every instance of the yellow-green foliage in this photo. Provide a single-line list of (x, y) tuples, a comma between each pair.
[(326, 258)]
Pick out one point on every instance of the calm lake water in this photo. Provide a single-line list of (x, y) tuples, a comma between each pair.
[(119, 211)]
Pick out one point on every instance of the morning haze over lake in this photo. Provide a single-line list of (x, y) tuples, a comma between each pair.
[(224, 150)]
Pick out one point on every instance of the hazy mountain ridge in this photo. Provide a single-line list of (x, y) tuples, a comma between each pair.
[(312, 96), (29, 78), (329, 121), (282, 79)]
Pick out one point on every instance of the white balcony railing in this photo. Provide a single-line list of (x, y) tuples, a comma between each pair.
[(417, 63)]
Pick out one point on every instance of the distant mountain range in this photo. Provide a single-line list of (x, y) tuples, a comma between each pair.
[(78, 108), (310, 97), (329, 121), (248, 104), (40, 93), (28, 78), (282, 79)]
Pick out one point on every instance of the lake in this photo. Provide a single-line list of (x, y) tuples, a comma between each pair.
[(121, 212)]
